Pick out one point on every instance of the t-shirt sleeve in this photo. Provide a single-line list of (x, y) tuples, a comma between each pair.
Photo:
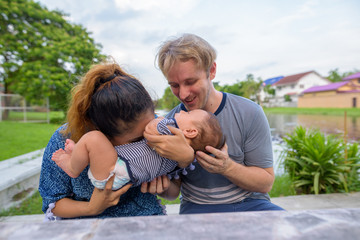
[(258, 144), (162, 126)]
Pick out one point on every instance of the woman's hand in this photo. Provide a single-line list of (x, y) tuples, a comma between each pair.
[(163, 187), (174, 147), (103, 199), (156, 186)]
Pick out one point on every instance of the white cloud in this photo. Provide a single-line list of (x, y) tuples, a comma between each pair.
[(156, 7), (265, 38)]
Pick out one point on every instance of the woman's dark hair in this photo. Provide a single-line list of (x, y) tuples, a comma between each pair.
[(117, 105), (106, 99)]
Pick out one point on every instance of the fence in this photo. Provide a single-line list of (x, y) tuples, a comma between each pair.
[(14, 107)]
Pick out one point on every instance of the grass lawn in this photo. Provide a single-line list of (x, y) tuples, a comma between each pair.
[(18, 138), (315, 111), (31, 205)]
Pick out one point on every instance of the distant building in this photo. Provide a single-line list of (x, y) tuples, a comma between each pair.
[(293, 86), (2, 88), (264, 96), (344, 94)]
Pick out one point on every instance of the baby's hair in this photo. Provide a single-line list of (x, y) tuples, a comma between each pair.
[(107, 99), (210, 134)]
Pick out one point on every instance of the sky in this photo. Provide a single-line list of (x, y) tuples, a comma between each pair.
[(260, 37)]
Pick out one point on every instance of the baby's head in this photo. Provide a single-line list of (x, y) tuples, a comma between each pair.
[(201, 128)]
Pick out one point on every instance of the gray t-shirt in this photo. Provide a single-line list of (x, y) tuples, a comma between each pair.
[(248, 137)]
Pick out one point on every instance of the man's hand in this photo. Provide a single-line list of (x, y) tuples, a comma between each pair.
[(173, 147), (218, 164), (102, 199)]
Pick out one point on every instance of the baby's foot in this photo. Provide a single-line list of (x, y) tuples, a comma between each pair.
[(69, 146), (57, 155), (62, 159)]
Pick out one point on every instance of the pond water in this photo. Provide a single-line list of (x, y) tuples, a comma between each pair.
[(281, 124)]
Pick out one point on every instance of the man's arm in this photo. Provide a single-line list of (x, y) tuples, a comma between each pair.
[(251, 178)]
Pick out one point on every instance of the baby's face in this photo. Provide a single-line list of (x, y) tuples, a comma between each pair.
[(188, 119)]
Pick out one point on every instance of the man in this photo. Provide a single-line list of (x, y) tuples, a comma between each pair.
[(234, 178)]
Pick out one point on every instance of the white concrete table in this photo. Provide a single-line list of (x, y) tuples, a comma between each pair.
[(307, 224)]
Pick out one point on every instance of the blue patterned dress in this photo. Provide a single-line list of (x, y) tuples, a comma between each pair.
[(55, 184)]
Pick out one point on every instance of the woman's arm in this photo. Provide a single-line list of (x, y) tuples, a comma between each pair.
[(100, 200)]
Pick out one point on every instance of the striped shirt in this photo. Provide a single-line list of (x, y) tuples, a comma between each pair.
[(143, 163)]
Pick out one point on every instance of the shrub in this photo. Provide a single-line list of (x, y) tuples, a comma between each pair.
[(317, 164)]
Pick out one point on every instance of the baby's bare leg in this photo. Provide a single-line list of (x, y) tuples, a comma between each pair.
[(93, 148), (102, 154)]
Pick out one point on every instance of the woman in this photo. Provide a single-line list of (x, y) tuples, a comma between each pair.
[(105, 92)]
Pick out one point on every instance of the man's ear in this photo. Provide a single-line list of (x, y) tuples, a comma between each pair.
[(212, 72), (190, 132)]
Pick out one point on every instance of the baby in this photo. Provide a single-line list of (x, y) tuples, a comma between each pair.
[(136, 162)]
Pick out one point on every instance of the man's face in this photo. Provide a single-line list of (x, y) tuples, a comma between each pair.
[(190, 85)]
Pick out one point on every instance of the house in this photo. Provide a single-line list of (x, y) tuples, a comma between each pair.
[(344, 94), (264, 95), (294, 85), (288, 88)]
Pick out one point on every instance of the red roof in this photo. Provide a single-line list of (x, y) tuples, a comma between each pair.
[(292, 78)]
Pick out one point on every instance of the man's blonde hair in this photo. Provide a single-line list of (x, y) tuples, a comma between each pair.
[(184, 48)]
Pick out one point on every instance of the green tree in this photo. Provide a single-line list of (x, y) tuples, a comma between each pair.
[(336, 76), (287, 98), (41, 52), (248, 88), (169, 100), (270, 90)]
